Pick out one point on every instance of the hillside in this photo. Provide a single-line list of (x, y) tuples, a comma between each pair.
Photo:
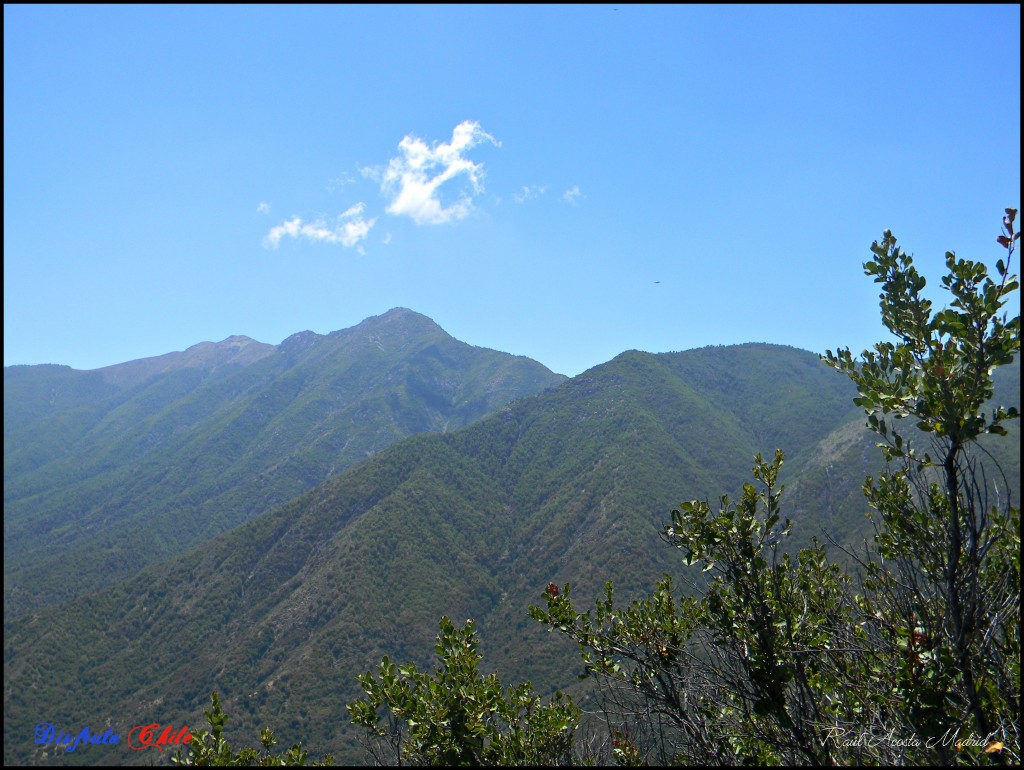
[(109, 470), (569, 485)]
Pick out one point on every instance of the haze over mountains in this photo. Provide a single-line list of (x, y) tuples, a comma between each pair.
[(322, 541), (108, 470)]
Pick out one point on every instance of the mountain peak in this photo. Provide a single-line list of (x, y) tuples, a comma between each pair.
[(402, 315), (399, 322), (399, 312), (236, 349), (299, 341)]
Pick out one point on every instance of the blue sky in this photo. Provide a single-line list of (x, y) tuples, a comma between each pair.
[(559, 182)]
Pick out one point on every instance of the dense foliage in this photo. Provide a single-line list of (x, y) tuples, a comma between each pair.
[(209, 748), (456, 716), (949, 542), (108, 471), (794, 661), (277, 614)]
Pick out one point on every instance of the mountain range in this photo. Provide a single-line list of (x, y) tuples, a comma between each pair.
[(278, 608), (106, 471)]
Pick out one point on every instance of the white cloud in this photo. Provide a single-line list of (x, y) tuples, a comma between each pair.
[(263, 207), (374, 173), (348, 230), (344, 178), (570, 195), (387, 239), (528, 192), (291, 227), (413, 180)]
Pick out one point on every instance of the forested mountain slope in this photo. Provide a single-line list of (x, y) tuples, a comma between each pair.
[(109, 470), (279, 614)]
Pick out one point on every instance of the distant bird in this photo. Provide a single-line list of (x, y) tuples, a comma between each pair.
[(657, 281)]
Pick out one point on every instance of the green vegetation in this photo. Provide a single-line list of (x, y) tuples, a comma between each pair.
[(792, 660), (209, 748), (949, 549), (743, 674), (570, 484), (458, 717), (277, 614), (108, 471)]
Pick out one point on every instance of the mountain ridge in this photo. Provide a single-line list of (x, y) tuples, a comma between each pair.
[(209, 440), (569, 485), (236, 349)]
